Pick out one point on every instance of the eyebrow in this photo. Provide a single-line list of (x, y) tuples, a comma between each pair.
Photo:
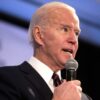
[(78, 30)]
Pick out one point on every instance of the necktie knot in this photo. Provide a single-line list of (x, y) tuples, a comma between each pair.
[(56, 79)]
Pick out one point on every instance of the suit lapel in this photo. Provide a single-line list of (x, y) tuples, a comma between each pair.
[(37, 80)]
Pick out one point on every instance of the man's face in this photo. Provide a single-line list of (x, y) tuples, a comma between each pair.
[(61, 38)]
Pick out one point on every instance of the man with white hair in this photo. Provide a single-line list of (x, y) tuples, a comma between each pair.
[(54, 31)]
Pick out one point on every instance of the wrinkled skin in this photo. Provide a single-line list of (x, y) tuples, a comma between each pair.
[(59, 39)]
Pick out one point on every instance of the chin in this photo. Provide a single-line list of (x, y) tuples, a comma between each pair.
[(63, 63)]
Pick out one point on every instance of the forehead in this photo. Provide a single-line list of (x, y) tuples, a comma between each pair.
[(52, 11), (63, 16), (56, 14)]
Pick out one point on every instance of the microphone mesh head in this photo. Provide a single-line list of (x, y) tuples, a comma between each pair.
[(71, 64)]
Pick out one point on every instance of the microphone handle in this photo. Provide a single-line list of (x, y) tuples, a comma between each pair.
[(70, 74)]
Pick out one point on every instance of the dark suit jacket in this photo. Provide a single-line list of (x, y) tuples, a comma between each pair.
[(22, 82)]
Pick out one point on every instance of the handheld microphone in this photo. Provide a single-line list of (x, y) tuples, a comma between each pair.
[(71, 67)]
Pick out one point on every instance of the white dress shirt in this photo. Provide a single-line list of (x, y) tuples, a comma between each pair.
[(44, 71)]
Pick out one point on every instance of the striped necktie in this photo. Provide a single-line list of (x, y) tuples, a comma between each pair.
[(56, 79)]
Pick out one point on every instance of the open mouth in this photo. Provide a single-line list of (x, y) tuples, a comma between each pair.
[(68, 50)]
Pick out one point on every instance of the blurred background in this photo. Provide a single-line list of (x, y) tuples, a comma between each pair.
[(15, 16)]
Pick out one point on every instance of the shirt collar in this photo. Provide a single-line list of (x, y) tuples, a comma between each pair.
[(44, 71)]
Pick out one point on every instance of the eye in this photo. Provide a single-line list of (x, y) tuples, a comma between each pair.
[(66, 29), (77, 33)]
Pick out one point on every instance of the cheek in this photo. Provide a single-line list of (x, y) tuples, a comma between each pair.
[(51, 45), (53, 41), (55, 46)]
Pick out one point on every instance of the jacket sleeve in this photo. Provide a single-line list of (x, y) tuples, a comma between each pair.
[(7, 88)]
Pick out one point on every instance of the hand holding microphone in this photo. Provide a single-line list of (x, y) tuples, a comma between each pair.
[(70, 88), (70, 68)]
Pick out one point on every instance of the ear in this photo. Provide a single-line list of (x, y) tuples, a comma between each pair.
[(38, 36)]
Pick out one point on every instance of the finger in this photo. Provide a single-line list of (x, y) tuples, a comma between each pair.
[(76, 82), (79, 88)]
